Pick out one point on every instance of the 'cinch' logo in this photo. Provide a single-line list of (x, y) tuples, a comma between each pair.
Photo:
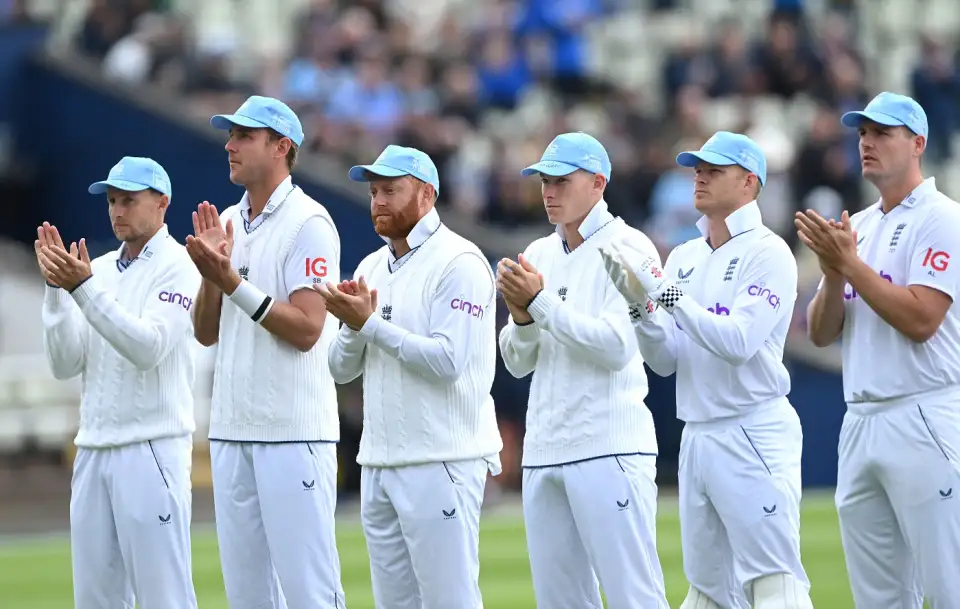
[(176, 298), (772, 299), (471, 309)]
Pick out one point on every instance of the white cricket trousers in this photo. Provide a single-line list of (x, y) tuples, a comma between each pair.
[(422, 526), (739, 485), (898, 497), (594, 520), (130, 509), (274, 504)]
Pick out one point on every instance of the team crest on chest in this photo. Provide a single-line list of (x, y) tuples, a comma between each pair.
[(562, 293), (386, 312), (895, 239), (244, 273), (731, 267)]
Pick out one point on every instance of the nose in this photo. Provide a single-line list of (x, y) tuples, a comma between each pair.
[(229, 146)]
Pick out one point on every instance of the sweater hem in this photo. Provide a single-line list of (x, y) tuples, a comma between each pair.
[(422, 460), (265, 434), (88, 439), (548, 456)]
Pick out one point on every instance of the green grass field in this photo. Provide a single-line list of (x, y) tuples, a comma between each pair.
[(36, 574)]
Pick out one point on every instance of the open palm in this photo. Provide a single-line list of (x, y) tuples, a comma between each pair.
[(207, 228)]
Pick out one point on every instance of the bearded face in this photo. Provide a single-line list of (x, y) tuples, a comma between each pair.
[(397, 204)]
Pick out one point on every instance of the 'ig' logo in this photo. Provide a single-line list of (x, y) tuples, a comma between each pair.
[(938, 261)]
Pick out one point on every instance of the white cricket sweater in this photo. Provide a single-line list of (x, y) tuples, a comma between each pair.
[(130, 335), (589, 384), (428, 357), (264, 389)]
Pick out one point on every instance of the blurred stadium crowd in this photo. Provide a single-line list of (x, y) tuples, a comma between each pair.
[(484, 86)]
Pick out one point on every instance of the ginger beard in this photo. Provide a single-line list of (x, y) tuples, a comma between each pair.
[(397, 204)]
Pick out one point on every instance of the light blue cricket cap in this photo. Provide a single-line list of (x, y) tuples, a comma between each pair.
[(891, 110), (569, 152), (397, 161), (133, 174), (726, 149), (260, 112)]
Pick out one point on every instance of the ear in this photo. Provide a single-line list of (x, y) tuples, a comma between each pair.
[(919, 144), (284, 145), (164, 202), (599, 182), (429, 194)]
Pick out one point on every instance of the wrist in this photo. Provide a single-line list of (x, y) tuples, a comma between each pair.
[(80, 283), (231, 283), (851, 270), (251, 300), (526, 307)]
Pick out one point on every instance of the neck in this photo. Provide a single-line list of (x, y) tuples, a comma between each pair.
[(893, 194), (135, 246), (259, 194), (400, 247), (718, 231), (571, 230)]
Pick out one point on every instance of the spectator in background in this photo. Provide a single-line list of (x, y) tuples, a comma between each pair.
[(936, 87), (785, 63), (562, 24), (502, 71), (313, 74), (366, 105), (824, 160)]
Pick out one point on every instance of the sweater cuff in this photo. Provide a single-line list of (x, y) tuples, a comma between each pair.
[(84, 293), (543, 305), (526, 332), (369, 329), (54, 296)]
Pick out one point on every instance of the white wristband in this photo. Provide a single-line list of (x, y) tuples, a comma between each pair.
[(251, 301)]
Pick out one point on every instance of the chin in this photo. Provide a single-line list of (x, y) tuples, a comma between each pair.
[(704, 206)]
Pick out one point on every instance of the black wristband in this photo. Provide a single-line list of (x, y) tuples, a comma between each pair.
[(262, 309), (527, 306), (80, 284)]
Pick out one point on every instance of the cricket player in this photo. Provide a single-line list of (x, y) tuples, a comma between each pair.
[(274, 423), (888, 289), (723, 305), (122, 321), (590, 449), (418, 324)]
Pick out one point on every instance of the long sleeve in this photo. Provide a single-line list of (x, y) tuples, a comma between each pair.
[(64, 334), (346, 355), (608, 339), (766, 293), (519, 347), (145, 340), (454, 322), (657, 341)]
